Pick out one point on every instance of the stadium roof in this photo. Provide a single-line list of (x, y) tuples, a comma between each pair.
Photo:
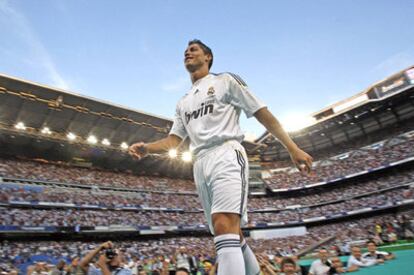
[(35, 121), (389, 102)]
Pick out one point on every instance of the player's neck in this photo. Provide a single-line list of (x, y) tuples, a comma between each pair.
[(198, 74)]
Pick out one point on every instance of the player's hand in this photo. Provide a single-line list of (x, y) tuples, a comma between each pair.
[(302, 160), (138, 150)]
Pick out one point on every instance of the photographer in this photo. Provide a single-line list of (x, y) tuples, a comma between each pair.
[(110, 261)]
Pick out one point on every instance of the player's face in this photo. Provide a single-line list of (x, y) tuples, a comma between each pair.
[(195, 58)]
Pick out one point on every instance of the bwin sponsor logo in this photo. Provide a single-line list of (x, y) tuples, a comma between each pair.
[(205, 109)]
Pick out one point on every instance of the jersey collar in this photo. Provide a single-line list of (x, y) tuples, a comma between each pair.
[(201, 79)]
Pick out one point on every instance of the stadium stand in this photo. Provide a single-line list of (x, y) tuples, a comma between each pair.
[(370, 157), (72, 196), (46, 171), (146, 253)]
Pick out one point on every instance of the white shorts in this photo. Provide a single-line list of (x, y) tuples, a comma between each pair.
[(221, 176)]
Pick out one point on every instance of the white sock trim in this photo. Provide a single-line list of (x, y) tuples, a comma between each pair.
[(225, 237), (227, 243)]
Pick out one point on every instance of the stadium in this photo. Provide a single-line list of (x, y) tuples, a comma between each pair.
[(68, 184)]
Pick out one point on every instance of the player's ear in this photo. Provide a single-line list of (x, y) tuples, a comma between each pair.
[(208, 57)]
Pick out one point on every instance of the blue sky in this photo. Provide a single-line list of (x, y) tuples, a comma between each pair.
[(297, 56)]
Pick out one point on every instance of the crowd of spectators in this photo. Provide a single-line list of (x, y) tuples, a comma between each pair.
[(339, 192), (356, 161), (190, 202), (149, 255), (329, 210), (73, 217), (366, 158), (328, 264), (393, 149), (104, 198), (61, 172), (346, 146)]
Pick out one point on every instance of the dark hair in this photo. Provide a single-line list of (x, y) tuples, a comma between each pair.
[(279, 255), (371, 241), (182, 269), (287, 260), (206, 49), (355, 246)]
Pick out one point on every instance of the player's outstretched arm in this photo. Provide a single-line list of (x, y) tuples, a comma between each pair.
[(301, 159), (141, 149)]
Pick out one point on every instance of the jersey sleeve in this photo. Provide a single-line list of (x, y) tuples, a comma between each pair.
[(238, 95), (178, 128)]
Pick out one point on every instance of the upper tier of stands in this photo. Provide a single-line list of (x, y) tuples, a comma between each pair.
[(366, 158), (42, 170)]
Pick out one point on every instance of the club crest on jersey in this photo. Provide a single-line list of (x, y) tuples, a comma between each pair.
[(211, 91), (206, 108)]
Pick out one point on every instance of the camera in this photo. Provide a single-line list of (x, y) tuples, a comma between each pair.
[(110, 253)]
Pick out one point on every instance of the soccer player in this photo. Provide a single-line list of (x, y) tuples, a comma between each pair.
[(209, 115)]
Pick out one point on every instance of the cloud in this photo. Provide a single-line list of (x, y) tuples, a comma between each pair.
[(394, 63), (181, 84), (19, 27)]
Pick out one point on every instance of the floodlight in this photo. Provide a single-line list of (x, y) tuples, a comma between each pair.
[(124, 145), (172, 153), (71, 136), (187, 157), (46, 131), (106, 142), (20, 126), (92, 139)]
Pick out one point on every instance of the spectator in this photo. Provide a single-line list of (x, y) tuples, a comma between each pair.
[(182, 260), (322, 266), (109, 262), (337, 265), (182, 271), (356, 261), (265, 266), (59, 269), (288, 266), (374, 254), (73, 267)]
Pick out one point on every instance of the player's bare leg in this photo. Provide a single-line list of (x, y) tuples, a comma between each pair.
[(226, 223), (227, 242)]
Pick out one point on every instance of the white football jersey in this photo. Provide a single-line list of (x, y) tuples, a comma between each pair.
[(209, 113)]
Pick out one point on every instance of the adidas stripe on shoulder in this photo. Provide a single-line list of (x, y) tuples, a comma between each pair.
[(238, 79)]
